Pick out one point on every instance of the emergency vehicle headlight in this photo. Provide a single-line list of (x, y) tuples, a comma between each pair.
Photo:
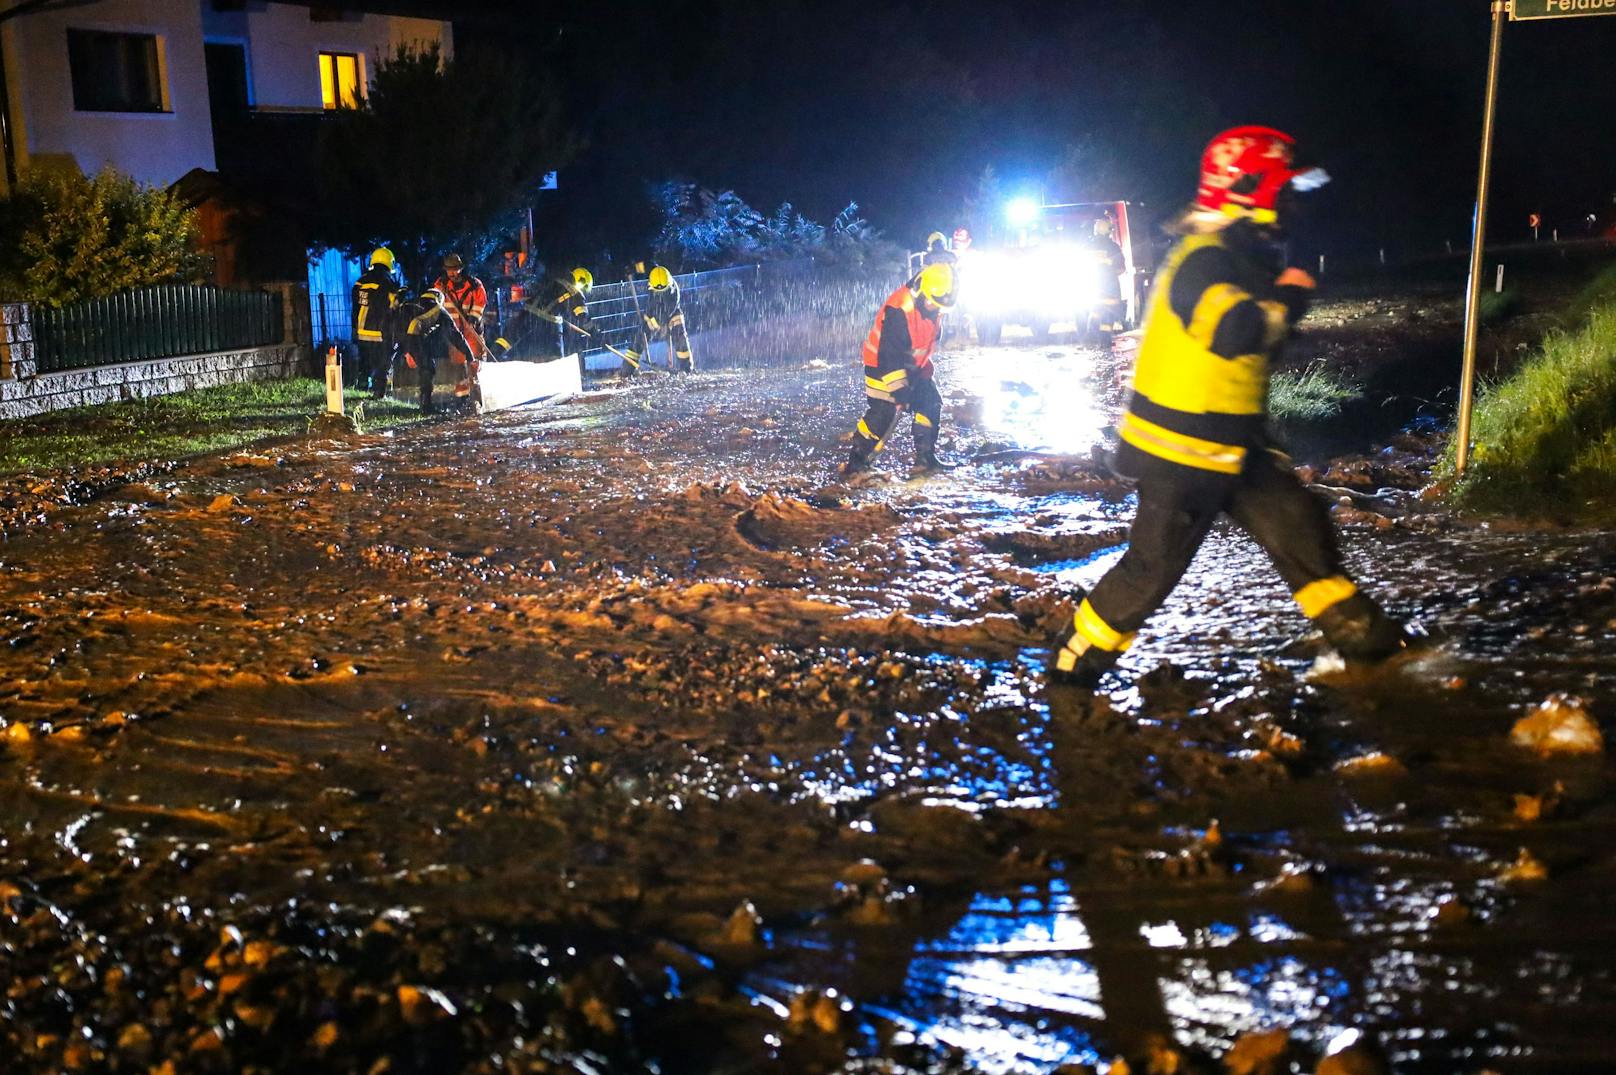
[(1021, 211)]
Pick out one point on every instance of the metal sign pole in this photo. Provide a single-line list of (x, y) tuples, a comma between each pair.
[(1478, 235)]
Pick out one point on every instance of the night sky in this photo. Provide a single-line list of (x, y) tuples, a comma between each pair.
[(900, 107)]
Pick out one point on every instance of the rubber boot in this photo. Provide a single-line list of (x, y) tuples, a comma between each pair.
[(426, 398), (858, 460), (1360, 630), (926, 461)]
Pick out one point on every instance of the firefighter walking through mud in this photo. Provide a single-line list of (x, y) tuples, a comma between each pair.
[(898, 368), (1194, 430)]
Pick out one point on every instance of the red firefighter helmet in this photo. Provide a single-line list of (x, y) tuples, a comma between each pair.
[(1243, 171)]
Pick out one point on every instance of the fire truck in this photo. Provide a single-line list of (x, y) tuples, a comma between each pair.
[(1050, 271)]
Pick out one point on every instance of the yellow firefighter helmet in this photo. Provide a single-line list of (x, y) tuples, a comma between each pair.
[(583, 279), (936, 241), (383, 257), (661, 279), (936, 283)]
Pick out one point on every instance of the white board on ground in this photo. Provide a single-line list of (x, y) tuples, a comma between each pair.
[(503, 385)]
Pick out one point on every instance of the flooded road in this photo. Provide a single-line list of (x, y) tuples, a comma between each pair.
[(621, 735)]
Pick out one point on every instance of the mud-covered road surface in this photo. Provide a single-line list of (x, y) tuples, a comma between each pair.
[(622, 736)]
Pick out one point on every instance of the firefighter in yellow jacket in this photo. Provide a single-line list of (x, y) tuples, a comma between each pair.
[(898, 368), (1194, 430), (662, 316), (373, 298)]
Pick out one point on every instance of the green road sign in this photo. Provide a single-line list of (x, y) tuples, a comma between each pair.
[(1560, 9)]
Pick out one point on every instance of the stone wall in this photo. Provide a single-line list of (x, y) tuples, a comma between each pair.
[(25, 391)]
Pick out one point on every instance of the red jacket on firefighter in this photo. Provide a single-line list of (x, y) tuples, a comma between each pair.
[(898, 368), (465, 298)]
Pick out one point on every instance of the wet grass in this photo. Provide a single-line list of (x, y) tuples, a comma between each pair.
[(187, 423), (1310, 395), (1545, 437)]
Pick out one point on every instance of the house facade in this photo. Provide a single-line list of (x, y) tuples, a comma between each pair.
[(144, 85)]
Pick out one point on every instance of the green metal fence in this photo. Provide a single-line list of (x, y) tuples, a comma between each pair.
[(154, 322)]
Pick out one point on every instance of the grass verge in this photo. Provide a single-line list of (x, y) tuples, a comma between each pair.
[(171, 427), (1309, 395), (1545, 437)]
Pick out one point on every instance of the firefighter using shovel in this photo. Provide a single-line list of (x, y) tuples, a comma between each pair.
[(553, 327), (465, 297), (898, 369), (661, 317)]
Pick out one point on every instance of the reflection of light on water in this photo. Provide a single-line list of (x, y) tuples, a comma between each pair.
[(1212, 1006), (1038, 399), (984, 988)]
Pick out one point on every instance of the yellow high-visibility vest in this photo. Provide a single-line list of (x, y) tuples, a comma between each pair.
[(1190, 406)]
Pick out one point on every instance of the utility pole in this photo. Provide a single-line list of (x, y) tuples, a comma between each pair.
[(1478, 236)]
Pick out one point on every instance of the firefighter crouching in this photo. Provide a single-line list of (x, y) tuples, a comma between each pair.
[(465, 299), (427, 334), (898, 368), (373, 298), (553, 326), (1193, 433), (663, 317)]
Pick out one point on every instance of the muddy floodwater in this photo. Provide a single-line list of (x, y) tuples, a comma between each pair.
[(621, 736)]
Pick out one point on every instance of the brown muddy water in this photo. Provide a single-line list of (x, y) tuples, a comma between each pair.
[(620, 736)]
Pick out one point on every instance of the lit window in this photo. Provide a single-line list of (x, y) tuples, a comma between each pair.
[(115, 72), (339, 80)]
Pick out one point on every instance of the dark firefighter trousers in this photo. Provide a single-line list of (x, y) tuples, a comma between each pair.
[(679, 357), (919, 395), (1175, 514), (375, 366)]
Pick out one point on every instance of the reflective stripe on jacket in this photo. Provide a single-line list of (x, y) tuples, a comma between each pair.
[(1200, 382), (374, 296), (467, 298), (902, 339)]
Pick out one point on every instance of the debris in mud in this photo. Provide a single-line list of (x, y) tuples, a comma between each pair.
[(1352, 1053), (328, 425), (1259, 1052), (1527, 867), (1034, 546), (1529, 808), (1347, 515), (1450, 911), (816, 1010), (1559, 725), (1375, 763)]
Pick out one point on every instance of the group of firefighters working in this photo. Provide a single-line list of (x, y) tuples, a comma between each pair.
[(448, 322), (1194, 435)]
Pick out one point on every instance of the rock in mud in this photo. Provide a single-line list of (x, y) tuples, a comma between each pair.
[(1450, 911), (743, 929), (1371, 764), (818, 1010), (1259, 1052), (1352, 1054), (1559, 725), (1530, 808), (1526, 868)]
